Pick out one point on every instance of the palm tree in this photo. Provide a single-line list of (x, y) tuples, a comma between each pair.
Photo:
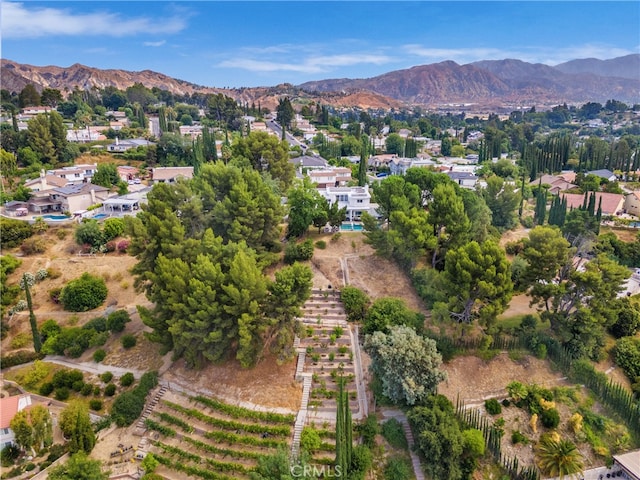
[(557, 458)]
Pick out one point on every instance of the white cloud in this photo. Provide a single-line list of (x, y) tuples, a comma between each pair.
[(154, 44), (546, 55), (20, 20), (313, 64)]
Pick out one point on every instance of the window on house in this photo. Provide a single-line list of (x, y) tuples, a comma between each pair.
[(359, 200), (77, 175)]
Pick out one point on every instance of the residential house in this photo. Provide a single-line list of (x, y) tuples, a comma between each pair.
[(126, 204), (308, 161), (191, 131), (71, 198), (383, 160), (357, 200), (629, 464), (557, 183), (123, 145), (15, 208), (464, 179), (632, 203), (170, 174), (126, 172), (76, 174), (612, 203), (9, 406), (333, 177), (604, 173), (88, 134), (45, 182)]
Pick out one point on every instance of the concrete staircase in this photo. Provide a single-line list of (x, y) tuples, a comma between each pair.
[(415, 460), (140, 426), (302, 415)]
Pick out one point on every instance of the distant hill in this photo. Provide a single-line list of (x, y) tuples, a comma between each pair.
[(15, 76), (488, 83), (622, 67), (508, 81)]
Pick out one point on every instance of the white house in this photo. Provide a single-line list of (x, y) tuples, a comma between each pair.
[(357, 200), (124, 145), (632, 203), (75, 174), (464, 179), (9, 406), (330, 177)]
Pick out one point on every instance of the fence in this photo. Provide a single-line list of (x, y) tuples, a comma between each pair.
[(610, 393), (492, 437)]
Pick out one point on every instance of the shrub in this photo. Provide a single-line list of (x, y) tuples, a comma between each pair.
[(87, 388), (110, 246), (54, 294), (550, 418), (356, 303), (49, 328), (493, 406), (9, 454), (298, 252), (321, 244), (61, 393), (46, 389), (106, 377), (517, 437), (336, 236), (84, 293), (99, 324), (129, 405), (393, 432), (397, 467), (41, 274), (112, 228), (96, 391), (110, 390), (99, 355), (123, 245), (95, 404), (99, 339), (71, 342), (128, 341), (78, 386), (127, 379), (18, 358), (21, 340), (627, 356), (89, 233), (117, 320), (14, 232)]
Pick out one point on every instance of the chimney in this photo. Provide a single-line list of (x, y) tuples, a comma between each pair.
[(43, 181), (93, 196)]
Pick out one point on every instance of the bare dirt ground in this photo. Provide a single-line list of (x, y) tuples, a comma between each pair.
[(473, 379), (519, 305), (376, 276)]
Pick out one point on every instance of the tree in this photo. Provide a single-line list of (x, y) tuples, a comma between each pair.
[(502, 200), (305, 205), (76, 426), (89, 233), (406, 364), (22, 430), (558, 458), (362, 166), (40, 139), (285, 113), (37, 341), (355, 302), (29, 96), (84, 293), (291, 288), (78, 467), (106, 175), (449, 220), (266, 152), (112, 228), (438, 437), (387, 312), (394, 144), (477, 279)]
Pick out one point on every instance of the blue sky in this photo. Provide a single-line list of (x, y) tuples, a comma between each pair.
[(263, 43)]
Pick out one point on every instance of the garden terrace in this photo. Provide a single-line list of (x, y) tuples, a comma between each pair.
[(328, 354), (205, 438)]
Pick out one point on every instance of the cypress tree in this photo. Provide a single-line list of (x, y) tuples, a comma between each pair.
[(591, 207), (362, 167), (599, 216), (37, 341)]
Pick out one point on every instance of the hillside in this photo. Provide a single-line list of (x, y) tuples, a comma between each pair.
[(488, 82)]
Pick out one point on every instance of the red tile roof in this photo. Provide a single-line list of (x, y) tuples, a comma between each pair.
[(611, 202), (8, 409)]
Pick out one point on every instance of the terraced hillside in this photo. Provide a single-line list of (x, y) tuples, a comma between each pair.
[(205, 438)]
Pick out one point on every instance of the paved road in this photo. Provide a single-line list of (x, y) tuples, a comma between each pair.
[(92, 367)]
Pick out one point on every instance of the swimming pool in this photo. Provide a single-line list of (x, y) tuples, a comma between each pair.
[(351, 227), (100, 216), (634, 224), (55, 217)]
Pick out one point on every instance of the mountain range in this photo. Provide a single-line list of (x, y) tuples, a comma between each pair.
[(484, 83)]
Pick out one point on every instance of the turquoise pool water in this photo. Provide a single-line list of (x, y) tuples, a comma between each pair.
[(55, 217), (634, 224), (100, 215), (348, 227)]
